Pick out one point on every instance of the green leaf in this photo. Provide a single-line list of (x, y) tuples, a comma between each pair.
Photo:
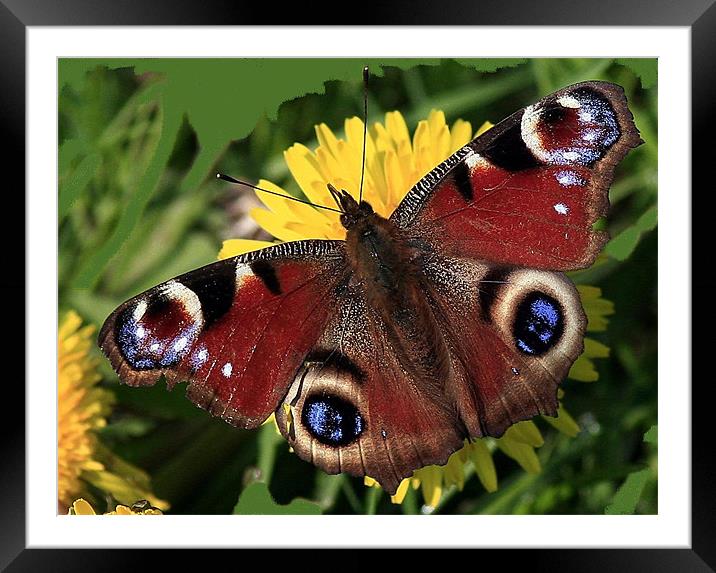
[(95, 264), (72, 185), (157, 401), (645, 68), (491, 64), (268, 442), (628, 495), (327, 488), (69, 151), (623, 245), (256, 500)]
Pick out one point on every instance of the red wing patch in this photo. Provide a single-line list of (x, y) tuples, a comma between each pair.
[(237, 330), (540, 217)]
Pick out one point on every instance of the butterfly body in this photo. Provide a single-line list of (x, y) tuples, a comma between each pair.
[(379, 257), (386, 269), (449, 320)]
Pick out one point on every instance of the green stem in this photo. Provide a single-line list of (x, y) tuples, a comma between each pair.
[(351, 496), (200, 456), (93, 267), (72, 186), (506, 495), (268, 448), (410, 503), (371, 500), (540, 71), (415, 87)]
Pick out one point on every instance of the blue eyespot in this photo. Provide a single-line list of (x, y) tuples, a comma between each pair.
[(539, 323), (331, 420), (159, 338)]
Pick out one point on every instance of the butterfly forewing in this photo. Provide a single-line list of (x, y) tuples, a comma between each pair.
[(529, 190), (237, 330)]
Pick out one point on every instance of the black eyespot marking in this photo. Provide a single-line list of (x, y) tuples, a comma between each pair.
[(539, 323), (215, 288), (489, 286), (463, 184), (266, 272), (578, 127), (336, 359), (331, 420), (552, 115), (508, 151)]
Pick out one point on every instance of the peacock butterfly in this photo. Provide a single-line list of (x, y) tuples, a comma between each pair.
[(450, 319)]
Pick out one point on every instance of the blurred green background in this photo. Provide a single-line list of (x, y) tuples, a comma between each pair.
[(139, 144)]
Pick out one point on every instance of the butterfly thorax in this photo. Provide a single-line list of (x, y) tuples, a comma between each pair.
[(377, 252), (383, 263), (379, 256)]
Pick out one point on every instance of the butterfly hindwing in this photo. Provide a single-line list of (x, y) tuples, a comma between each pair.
[(528, 191), (237, 330), (513, 333), (355, 408)]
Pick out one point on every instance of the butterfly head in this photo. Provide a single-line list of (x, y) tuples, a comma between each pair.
[(352, 211)]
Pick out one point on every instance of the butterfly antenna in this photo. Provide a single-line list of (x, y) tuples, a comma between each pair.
[(365, 129), (238, 182)]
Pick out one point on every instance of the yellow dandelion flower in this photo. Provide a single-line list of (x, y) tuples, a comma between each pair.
[(142, 507), (394, 162), (82, 409), (597, 310)]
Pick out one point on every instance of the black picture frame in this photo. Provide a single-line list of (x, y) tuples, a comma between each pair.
[(698, 15)]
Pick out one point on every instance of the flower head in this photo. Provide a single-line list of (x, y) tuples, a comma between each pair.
[(82, 407), (394, 163), (83, 507)]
